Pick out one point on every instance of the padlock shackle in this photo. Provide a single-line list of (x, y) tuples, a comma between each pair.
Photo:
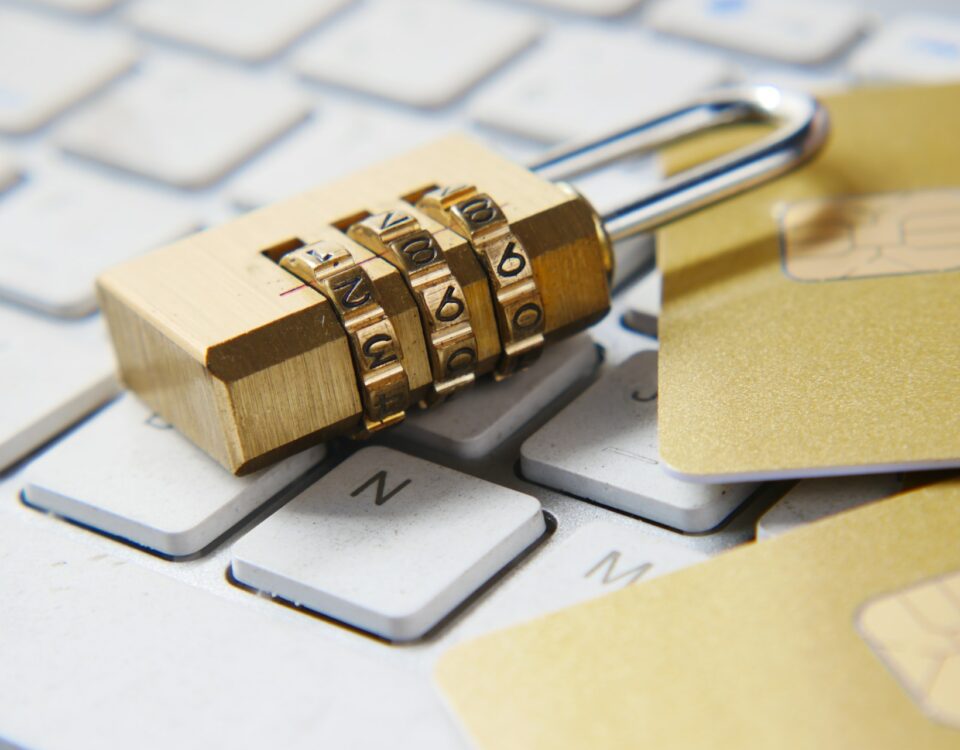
[(803, 129)]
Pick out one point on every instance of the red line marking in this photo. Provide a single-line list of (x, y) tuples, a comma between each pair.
[(289, 291)]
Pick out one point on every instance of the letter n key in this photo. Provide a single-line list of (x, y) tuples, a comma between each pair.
[(380, 479)]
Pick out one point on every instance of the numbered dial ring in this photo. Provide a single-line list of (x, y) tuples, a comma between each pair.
[(398, 237), (378, 359), (518, 306)]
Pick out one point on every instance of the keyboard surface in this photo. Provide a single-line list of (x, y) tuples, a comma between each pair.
[(153, 600)]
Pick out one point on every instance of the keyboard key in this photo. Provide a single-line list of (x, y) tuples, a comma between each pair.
[(812, 499), (480, 419), (629, 256), (8, 171), (184, 123), (52, 373), (591, 7), (46, 65), (133, 658), (640, 322), (340, 140), (247, 29), (592, 94), (101, 220), (597, 559), (79, 6), (644, 294), (618, 342), (642, 301), (418, 52), (603, 447), (128, 473), (811, 80), (911, 48), (388, 543), (794, 32)]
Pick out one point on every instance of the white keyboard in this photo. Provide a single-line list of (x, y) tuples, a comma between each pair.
[(150, 599)]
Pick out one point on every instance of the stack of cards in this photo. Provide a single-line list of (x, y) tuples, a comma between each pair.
[(809, 328)]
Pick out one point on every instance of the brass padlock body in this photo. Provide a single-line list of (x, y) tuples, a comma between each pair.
[(252, 364)]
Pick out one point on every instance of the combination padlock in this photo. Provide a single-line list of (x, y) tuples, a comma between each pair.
[(337, 311)]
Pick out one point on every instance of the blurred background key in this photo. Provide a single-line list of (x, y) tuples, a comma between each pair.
[(245, 29), (8, 170), (418, 52), (59, 231), (184, 123), (79, 6), (609, 78), (795, 32), (338, 139), (46, 65), (911, 48), (590, 7)]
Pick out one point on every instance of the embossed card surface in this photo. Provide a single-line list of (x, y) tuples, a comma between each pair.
[(842, 634), (812, 326)]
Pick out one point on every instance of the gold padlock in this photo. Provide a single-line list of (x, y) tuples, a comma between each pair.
[(337, 311)]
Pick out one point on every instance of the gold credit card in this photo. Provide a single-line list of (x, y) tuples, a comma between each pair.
[(812, 326), (842, 634)]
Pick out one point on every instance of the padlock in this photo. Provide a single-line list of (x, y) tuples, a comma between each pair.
[(337, 311)]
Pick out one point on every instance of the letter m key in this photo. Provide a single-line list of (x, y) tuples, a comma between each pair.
[(609, 567)]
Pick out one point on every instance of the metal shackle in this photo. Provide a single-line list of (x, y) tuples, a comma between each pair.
[(803, 127)]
